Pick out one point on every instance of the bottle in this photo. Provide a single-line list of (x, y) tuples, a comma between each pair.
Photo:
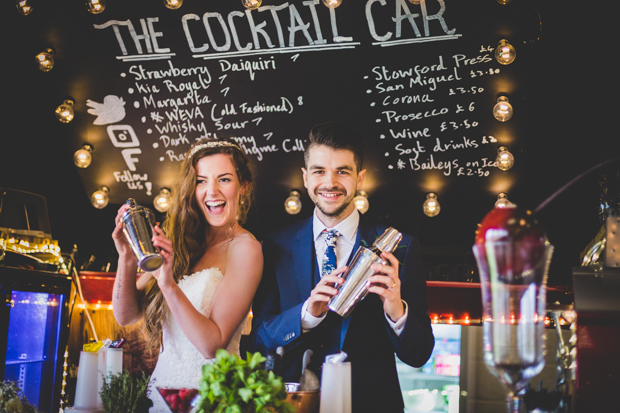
[(274, 360)]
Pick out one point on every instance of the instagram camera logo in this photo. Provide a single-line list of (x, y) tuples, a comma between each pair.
[(123, 136)]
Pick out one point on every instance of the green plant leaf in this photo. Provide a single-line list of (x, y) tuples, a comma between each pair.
[(231, 384), (233, 409), (124, 393), (246, 394), (256, 360)]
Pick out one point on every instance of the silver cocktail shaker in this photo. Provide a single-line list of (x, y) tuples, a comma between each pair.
[(138, 223), (356, 284)]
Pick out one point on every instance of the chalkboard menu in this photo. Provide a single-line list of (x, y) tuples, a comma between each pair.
[(419, 81)]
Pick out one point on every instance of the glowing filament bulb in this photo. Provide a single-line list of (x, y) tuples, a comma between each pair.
[(45, 60), (431, 205), (361, 202), (505, 160), (100, 198), (82, 157), (24, 7), (292, 205), (95, 6), (502, 201), (173, 4), (162, 200), (251, 4), (332, 4), (502, 109), (64, 112), (505, 53)]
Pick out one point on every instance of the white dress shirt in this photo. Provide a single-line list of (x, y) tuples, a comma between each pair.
[(347, 228)]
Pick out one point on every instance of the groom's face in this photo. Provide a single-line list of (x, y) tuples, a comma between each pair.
[(332, 179)]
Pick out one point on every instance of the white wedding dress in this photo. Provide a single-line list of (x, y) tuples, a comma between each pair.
[(180, 364)]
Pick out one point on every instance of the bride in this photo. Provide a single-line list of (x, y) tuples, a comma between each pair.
[(198, 300)]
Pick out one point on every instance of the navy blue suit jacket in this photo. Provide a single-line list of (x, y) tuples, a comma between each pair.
[(291, 272)]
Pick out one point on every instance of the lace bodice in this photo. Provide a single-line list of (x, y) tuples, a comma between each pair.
[(180, 364)]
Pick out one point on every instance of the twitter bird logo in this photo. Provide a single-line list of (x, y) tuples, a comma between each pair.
[(110, 111)]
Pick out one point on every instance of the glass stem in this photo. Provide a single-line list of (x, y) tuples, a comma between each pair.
[(515, 404)]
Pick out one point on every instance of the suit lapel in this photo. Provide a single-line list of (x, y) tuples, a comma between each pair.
[(366, 235), (303, 255)]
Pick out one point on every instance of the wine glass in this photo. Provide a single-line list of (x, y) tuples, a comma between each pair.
[(513, 279)]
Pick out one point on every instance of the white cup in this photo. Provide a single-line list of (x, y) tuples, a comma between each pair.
[(86, 390), (100, 374), (114, 361), (336, 388)]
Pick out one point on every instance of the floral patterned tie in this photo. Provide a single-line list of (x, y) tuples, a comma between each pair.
[(329, 259)]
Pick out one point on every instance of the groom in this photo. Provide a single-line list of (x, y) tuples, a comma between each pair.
[(290, 307)]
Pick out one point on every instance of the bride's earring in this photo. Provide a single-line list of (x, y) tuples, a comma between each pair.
[(240, 203)]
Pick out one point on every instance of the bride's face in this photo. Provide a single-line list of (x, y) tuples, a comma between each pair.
[(217, 189)]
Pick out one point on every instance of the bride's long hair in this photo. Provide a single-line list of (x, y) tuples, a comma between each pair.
[(187, 228)]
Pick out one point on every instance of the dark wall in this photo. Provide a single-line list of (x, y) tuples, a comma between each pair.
[(560, 128)]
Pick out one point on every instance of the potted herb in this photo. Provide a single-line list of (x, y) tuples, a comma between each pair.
[(122, 393), (231, 384), (13, 400)]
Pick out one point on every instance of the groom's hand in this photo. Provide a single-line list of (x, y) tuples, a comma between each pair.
[(386, 284), (323, 292)]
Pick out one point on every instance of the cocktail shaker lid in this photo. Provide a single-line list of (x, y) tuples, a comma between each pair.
[(135, 208), (388, 241), (132, 203)]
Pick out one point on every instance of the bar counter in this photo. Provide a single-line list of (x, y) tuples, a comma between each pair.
[(455, 309)]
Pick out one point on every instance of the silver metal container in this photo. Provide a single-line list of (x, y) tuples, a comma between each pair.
[(138, 223), (356, 284)]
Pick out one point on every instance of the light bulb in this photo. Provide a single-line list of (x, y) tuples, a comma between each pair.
[(416, 2), (45, 60), (251, 4), (173, 4), (502, 201), (332, 4), (82, 157), (24, 7), (361, 202), (431, 205), (100, 198), (505, 53), (64, 112), (292, 205), (504, 159), (95, 6), (162, 200), (502, 109), (504, 2)]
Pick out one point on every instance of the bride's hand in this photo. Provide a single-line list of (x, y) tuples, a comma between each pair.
[(164, 274), (120, 240)]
